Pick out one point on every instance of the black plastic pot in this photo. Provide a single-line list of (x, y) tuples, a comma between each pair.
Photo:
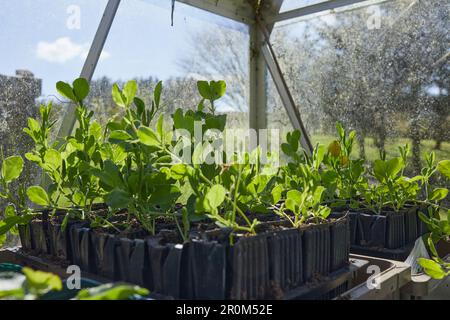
[(267, 265), (39, 237), (372, 230), (316, 251), (165, 267), (395, 229), (248, 268), (340, 243), (130, 259), (82, 251), (286, 261), (25, 237), (422, 227), (207, 269), (104, 253), (59, 241), (355, 232), (411, 225)]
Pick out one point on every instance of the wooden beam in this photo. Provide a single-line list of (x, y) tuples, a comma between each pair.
[(90, 64), (283, 89), (314, 8), (237, 10)]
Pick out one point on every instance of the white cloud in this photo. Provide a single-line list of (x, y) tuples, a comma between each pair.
[(63, 50)]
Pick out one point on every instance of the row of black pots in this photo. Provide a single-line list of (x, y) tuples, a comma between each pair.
[(206, 267), (389, 230)]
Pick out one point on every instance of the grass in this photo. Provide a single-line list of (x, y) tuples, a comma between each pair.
[(391, 147)]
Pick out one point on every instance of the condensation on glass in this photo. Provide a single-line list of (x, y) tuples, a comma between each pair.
[(381, 70)]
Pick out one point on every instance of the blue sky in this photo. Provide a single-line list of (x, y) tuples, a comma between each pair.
[(34, 35)]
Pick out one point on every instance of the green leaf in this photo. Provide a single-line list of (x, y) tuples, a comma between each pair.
[(120, 135), (178, 171), (204, 89), (12, 168), (379, 169), (65, 90), (438, 194), (276, 193), (216, 122), (160, 126), (52, 159), (118, 199), (118, 97), (157, 94), (40, 282), (291, 204), (140, 105), (110, 175), (34, 125), (295, 196), (318, 194), (394, 166), (319, 152), (38, 195), (10, 222), (432, 268), (111, 292), (129, 91), (444, 168), (197, 155), (340, 130), (215, 196), (217, 89), (387, 169), (164, 195), (10, 212), (81, 88), (293, 139), (324, 212), (147, 136)]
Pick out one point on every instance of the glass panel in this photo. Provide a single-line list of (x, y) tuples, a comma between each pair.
[(42, 42), (295, 4), (143, 45), (49, 38), (381, 70), (277, 117)]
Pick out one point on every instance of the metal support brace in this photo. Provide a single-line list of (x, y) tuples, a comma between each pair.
[(90, 64), (315, 8), (283, 89), (257, 73)]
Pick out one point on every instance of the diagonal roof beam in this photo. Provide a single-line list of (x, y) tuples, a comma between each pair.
[(316, 8), (283, 89), (237, 10), (92, 59)]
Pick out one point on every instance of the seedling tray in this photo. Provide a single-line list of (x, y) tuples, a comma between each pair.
[(327, 288), (17, 256), (393, 276), (393, 254), (268, 265), (324, 288), (391, 235)]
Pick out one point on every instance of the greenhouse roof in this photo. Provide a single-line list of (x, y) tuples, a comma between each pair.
[(260, 16)]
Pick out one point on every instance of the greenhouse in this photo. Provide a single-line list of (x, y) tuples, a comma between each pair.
[(199, 150)]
